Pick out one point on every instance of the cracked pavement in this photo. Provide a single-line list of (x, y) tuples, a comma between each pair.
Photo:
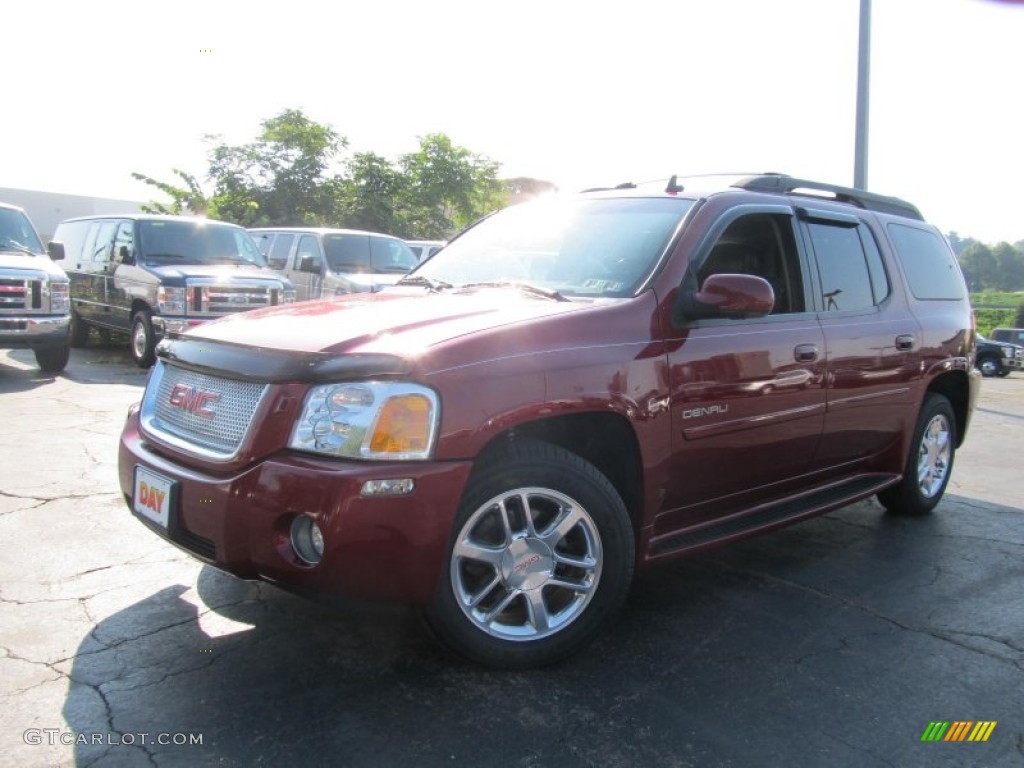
[(834, 642)]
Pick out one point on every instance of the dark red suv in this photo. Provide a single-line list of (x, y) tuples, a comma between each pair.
[(569, 390)]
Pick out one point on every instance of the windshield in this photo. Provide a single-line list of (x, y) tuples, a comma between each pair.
[(197, 242), (17, 233), (595, 247), (367, 253)]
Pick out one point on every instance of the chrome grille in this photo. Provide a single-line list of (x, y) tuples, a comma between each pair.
[(202, 414), (17, 293), (208, 297)]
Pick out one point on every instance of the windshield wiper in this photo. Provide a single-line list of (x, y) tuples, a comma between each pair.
[(435, 285), (14, 245), (535, 290)]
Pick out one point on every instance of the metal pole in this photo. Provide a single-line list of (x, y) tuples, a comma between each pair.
[(860, 152)]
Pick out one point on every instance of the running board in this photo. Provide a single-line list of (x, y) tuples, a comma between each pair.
[(774, 515)]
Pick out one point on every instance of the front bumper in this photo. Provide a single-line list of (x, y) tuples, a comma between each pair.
[(22, 331), (391, 547)]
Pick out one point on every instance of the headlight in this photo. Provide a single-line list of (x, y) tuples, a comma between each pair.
[(1007, 351), (170, 300), (368, 420), (59, 297), (288, 296)]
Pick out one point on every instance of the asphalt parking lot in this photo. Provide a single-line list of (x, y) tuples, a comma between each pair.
[(833, 643)]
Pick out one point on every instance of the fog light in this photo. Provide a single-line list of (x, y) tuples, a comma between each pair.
[(307, 540), (402, 486)]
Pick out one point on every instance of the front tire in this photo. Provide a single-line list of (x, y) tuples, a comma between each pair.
[(989, 366), (541, 557), (143, 340), (53, 359), (930, 462)]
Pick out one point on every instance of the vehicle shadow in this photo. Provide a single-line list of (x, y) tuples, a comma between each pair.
[(812, 625)]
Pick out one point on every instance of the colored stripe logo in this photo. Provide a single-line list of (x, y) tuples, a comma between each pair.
[(958, 730)]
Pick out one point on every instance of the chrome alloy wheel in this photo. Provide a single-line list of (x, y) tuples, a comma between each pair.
[(526, 564), (140, 340), (934, 456)]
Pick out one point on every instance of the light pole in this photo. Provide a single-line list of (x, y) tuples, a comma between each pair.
[(860, 152)]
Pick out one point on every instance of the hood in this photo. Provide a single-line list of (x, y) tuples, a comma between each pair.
[(216, 271), (400, 322), (24, 261)]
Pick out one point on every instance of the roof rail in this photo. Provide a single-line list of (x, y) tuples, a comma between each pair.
[(779, 182)]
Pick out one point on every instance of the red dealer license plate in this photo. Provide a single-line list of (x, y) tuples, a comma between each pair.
[(153, 496)]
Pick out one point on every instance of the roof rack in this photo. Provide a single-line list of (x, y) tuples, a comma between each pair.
[(779, 182)]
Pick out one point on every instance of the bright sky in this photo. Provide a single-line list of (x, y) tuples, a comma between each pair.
[(576, 92)]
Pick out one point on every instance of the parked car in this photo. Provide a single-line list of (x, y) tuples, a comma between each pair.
[(997, 358), (1011, 335), (150, 275), (424, 249), (329, 262), (504, 435), (33, 294)]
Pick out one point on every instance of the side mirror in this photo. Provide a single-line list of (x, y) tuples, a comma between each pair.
[(726, 296), (309, 264), (125, 255), (56, 250)]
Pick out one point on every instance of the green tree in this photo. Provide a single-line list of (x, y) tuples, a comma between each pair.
[(188, 199), (980, 268), (447, 187), (370, 195), (281, 178), (960, 244), (1009, 267)]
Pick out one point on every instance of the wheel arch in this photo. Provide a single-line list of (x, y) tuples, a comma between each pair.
[(605, 439), (955, 386)]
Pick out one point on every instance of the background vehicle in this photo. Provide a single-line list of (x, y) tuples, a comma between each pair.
[(33, 293), (569, 390), (997, 358), (328, 262), (150, 275), (1011, 335), (424, 249)]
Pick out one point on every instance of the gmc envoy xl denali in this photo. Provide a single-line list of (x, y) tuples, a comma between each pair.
[(571, 389)]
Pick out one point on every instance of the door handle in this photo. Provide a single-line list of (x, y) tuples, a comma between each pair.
[(905, 342), (805, 353)]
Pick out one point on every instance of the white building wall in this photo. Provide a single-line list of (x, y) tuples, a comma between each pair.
[(48, 209)]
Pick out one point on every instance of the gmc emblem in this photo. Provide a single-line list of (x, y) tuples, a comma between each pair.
[(193, 400)]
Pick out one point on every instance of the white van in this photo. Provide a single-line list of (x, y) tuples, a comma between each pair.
[(323, 262)]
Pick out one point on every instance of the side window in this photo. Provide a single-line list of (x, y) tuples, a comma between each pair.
[(763, 245), (278, 255), (73, 234), (124, 242), (931, 268), (847, 281), (103, 245), (262, 240), (308, 250)]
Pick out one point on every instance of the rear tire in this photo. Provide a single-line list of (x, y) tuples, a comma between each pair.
[(930, 462), (79, 330), (143, 340), (541, 556)]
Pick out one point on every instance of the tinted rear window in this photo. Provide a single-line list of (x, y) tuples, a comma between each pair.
[(928, 262)]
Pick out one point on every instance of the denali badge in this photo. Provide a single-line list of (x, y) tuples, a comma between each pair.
[(193, 400), (711, 410)]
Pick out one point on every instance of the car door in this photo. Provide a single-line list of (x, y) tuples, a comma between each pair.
[(747, 395), (117, 301), (872, 340), (99, 247), (307, 268)]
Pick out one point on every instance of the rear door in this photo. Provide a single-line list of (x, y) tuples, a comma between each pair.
[(872, 340)]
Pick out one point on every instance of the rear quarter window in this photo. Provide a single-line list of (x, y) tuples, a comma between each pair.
[(928, 262)]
